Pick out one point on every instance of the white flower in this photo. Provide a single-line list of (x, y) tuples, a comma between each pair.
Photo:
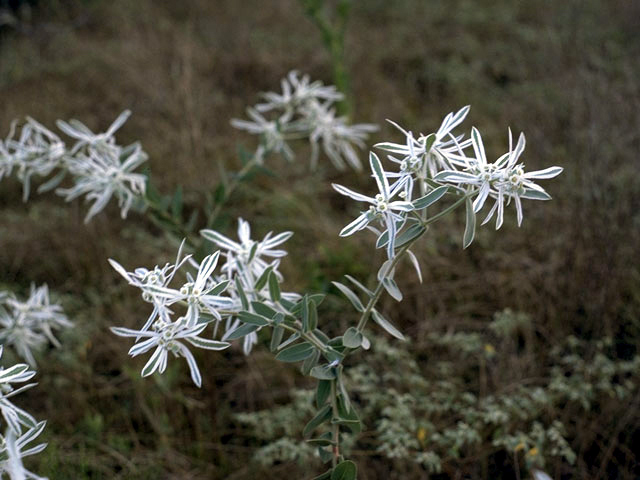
[(383, 206), (102, 174), (503, 180), (13, 451), (430, 153), (297, 91), (103, 142), (28, 325), (15, 416), (167, 337), (247, 254), (271, 131), (304, 110), (37, 151), (336, 137)]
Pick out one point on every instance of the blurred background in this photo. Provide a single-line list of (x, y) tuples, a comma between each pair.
[(537, 325)]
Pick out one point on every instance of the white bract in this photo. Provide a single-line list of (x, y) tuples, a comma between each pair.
[(37, 151), (503, 180), (21, 427), (433, 162), (246, 263), (28, 325), (99, 166), (305, 109), (383, 206)]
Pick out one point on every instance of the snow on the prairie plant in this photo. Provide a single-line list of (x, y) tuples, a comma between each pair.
[(98, 166), (305, 109), (29, 325)]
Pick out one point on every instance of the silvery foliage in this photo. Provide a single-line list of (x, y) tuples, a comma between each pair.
[(429, 165), (305, 109), (21, 428), (29, 325), (100, 168), (206, 299)]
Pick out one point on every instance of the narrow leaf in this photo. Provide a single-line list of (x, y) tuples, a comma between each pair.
[(353, 298), (322, 416), (295, 353), (470, 227), (346, 470), (386, 325), (352, 338)]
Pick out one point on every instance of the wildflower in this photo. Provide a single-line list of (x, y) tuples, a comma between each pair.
[(12, 452), (336, 137), (28, 325), (429, 153), (100, 175), (37, 151), (102, 142), (383, 206), (271, 132), (15, 416), (247, 254), (297, 91), (502, 180), (169, 337)]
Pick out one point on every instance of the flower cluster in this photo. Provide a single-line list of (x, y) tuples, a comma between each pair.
[(28, 325), (99, 166), (21, 427), (206, 299), (305, 109), (440, 163)]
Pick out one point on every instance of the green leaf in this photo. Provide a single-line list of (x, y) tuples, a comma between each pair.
[(295, 353), (262, 281), (344, 396), (206, 343), (366, 291), (253, 319), (347, 418), (470, 227), (353, 298), (305, 314), (411, 233), (313, 315), (323, 372), (352, 338), (274, 288), (323, 440), (429, 141), (241, 331), (430, 198), (392, 288), (219, 288), (346, 470), (317, 298), (326, 454), (310, 362), (322, 392), (263, 309), (242, 295), (386, 325), (322, 416), (289, 341), (332, 354), (276, 338)]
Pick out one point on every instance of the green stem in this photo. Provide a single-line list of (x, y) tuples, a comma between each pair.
[(335, 428), (230, 188)]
